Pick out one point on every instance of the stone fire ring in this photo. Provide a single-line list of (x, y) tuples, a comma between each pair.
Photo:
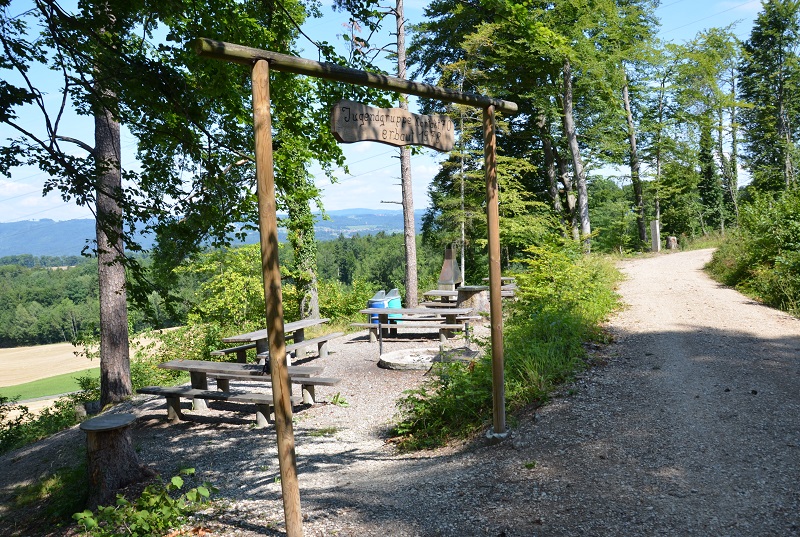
[(409, 359)]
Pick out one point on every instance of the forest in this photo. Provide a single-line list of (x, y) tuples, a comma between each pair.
[(54, 299), (615, 129)]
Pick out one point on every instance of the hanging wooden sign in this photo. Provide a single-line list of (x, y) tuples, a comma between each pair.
[(356, 122)]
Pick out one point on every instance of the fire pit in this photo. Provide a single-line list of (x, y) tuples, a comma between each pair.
[(407, 359)]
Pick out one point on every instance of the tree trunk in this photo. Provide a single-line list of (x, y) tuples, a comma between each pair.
[(115, 373), (112, 462), (577, 163), (572, 211), (409, 231), (550, 164), (660, 128), (634, 164), (733, 163), (305, 254)]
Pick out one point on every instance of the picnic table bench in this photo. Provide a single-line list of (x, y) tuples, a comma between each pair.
[(294, 331), (508, 286), (224, 372), (446, 320)]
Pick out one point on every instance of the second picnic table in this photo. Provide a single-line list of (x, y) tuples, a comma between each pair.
[(294, 330), (445, 319)]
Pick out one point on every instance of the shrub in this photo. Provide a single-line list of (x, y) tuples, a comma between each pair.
[(157, 510), (19, 426), (762, 258), (563, 296)]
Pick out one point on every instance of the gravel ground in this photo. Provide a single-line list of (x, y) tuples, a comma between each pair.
[(690, 428)]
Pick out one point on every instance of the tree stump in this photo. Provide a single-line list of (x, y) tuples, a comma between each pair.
[(113, 463)]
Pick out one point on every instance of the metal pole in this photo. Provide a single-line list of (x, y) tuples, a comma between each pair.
[(498, 430), (268, 228)]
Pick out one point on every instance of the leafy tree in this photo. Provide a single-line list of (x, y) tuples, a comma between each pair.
[(372, 13), (770, 84), (191, 117), (553, 58), (710, 187), (614, 216)]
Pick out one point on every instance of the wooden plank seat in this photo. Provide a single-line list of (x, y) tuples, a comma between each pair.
[(295, 372), (207, 367), (263, 401), (321, 342), (306, 382), (241, 352), (438, 304), (445, 328)]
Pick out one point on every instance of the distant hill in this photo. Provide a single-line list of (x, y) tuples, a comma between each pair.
[(68, 237)]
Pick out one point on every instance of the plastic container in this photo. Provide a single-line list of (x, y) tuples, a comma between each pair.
[(393, 300), (378, 300)]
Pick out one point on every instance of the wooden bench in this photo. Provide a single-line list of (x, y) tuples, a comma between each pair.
[(241, 352), (321, 342), (438, 304), (376, 329), (306, 382), (263, 401)]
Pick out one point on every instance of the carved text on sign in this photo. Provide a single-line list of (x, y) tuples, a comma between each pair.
[(356, 122)]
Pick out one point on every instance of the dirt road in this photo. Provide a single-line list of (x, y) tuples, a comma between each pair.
[(694, 426)]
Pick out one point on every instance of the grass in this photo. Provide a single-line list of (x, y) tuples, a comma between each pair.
[(563, 297), (56, 385), (701, 242)]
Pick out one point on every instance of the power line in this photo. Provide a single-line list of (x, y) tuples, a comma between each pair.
[(671, 4), (707, 17)]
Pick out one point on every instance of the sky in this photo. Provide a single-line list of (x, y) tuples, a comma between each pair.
[(374, 168)]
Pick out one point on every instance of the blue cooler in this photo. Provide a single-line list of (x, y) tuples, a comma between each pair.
[(377, 301), (393, 301)]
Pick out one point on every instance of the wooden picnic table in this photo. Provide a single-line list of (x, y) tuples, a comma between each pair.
[(199, 370), (445, 319), (410, 314), (294, 330), (440, 298)]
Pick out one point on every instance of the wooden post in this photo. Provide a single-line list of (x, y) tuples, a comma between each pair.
[(268, 228), (498, 430)]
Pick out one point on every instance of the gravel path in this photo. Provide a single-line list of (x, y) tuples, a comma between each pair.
[(690, 428)]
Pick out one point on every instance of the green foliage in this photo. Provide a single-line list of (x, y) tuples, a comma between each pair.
[(232, 292), (339, 400), (157, 510), (54, 498), (47, 305), (342, 303), (770, 84), (192, 342), (613, 217), (19, 426), (563, 296), (763, 257)]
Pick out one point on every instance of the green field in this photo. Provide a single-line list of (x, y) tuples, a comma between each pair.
[(49, 386)]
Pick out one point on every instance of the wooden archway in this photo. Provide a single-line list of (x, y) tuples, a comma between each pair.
[(260, 62)]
